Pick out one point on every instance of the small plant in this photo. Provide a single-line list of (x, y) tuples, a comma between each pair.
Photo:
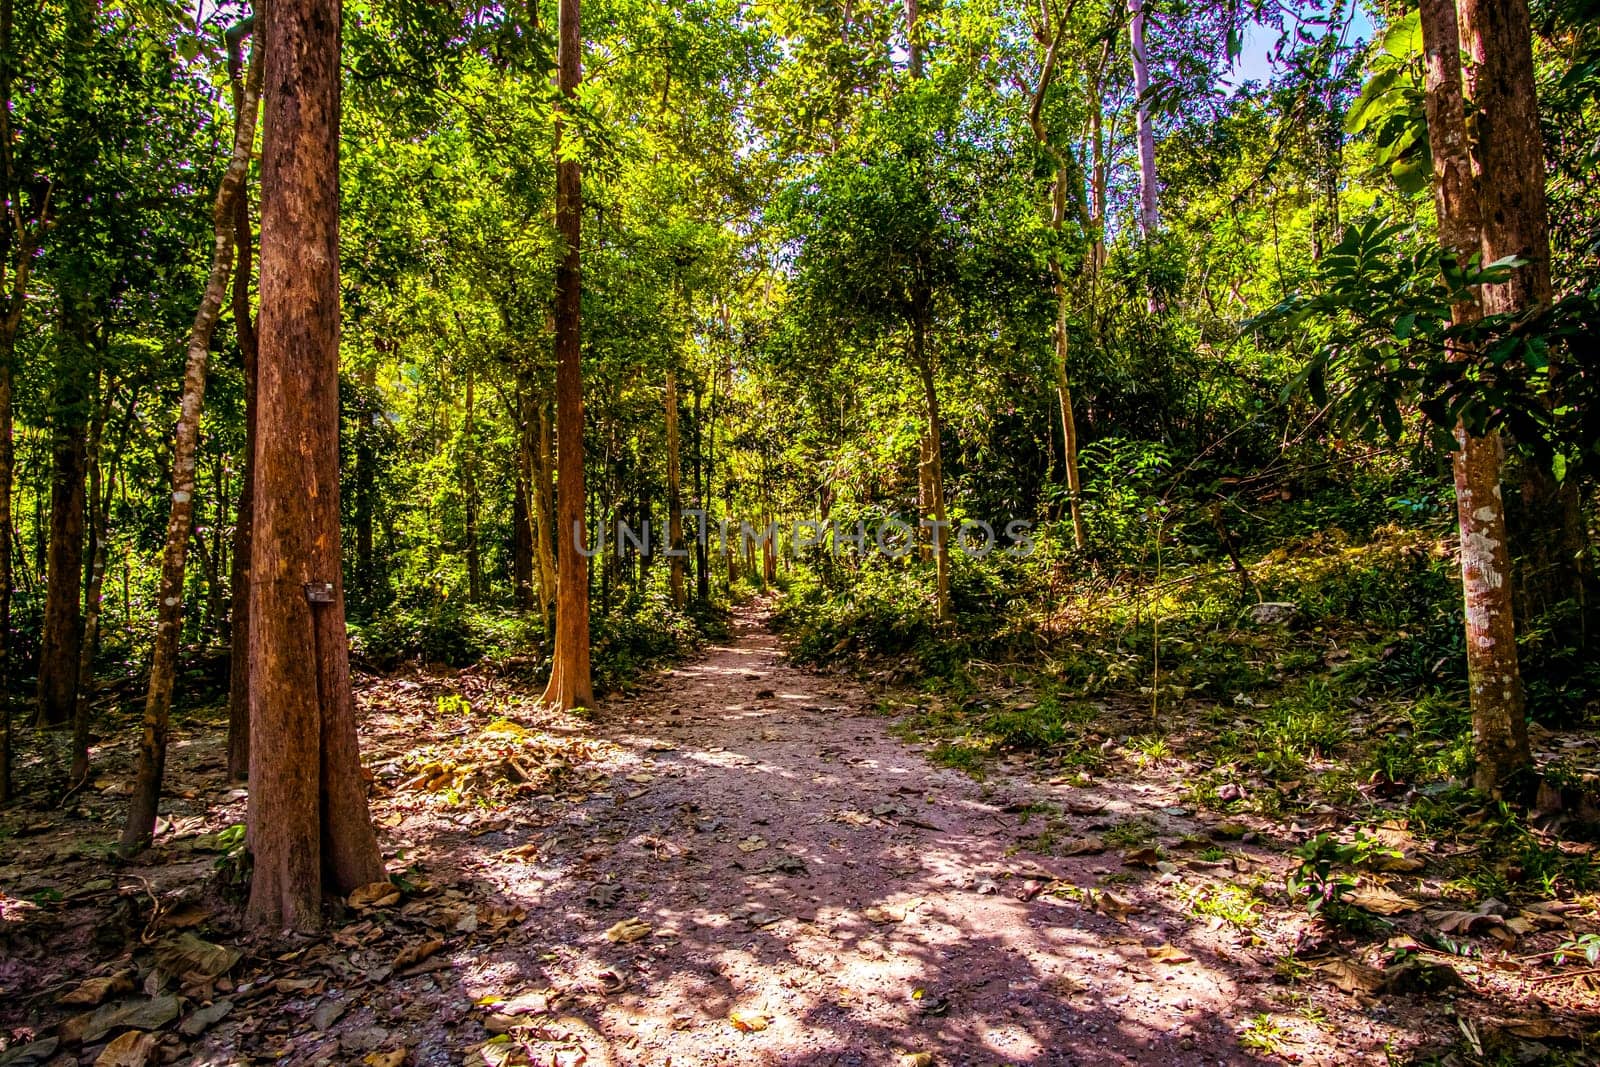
[(1262, 1034), (1131, 833), (1232, 904), (1585, 945)]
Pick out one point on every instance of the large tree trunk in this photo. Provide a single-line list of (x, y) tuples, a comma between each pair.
[(935, 429), (1499, 729), (675, 549), (1148, 218), (308, 823), (570, 684), (180, 514), (1553, 564)]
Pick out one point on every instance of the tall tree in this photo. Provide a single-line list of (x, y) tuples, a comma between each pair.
[(570, 683), (1144, 129), (1499, 728), (1509, 162), (244, 329), (180, 513), (75, 287), (308, 822)]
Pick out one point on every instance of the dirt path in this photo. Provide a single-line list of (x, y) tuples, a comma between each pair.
[(801, 868)]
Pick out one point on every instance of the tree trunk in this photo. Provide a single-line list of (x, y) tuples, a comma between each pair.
[(913, 39), (308, 824), (469, 491), (362, 518), (523, 530), (935, 428), (1499, 728), (1553, 563), (1148, 219), (99, 504), (570, 684), (63, 620), (180, 515), (544, 513), (18, 242), (702, 580), (239, 613), (1052, 36), (674, 494)]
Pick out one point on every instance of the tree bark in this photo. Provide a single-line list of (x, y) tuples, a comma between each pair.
[(1148, 218), (239, 613), (570, 683), (1553, 561), (469, 491), (544, 503), (1051, 36), (180, 514), (99, 505), (308, 823), (674, 494), (935, 429), (1499, 727), (62, 635)]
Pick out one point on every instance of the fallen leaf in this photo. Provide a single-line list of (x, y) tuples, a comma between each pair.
[(93, 991), (391, 1058), (1168, 954), (916, 1059), (31, 1055), (883, 916), (190, 959), (1080, 846), (202, 1019), (374, 895), (1451, 921), (749, 1021), (1381, 901), (1142, 857), (416, 954), (628, 931), (132, 1049), (1350, 976), (752, 844), (130, 1015)]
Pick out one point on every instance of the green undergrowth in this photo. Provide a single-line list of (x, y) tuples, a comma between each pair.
[(1354, 708), (640, 632)]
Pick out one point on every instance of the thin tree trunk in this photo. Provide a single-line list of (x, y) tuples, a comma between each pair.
[(544, 514), (18, 242), (1052, 35), (362, 517), (674, 493), (570, 684), (99, 504), (1148, 219), (469, 487), (1499, 729), (180, 516), (62, 636), (308, 823), (935, 429)]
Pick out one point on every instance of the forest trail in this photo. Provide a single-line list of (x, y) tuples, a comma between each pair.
[(806, 875)]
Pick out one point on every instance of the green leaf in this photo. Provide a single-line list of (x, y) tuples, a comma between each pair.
[(1411, 175)]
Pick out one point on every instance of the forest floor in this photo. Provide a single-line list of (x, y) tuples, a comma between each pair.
[(742, 862)]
